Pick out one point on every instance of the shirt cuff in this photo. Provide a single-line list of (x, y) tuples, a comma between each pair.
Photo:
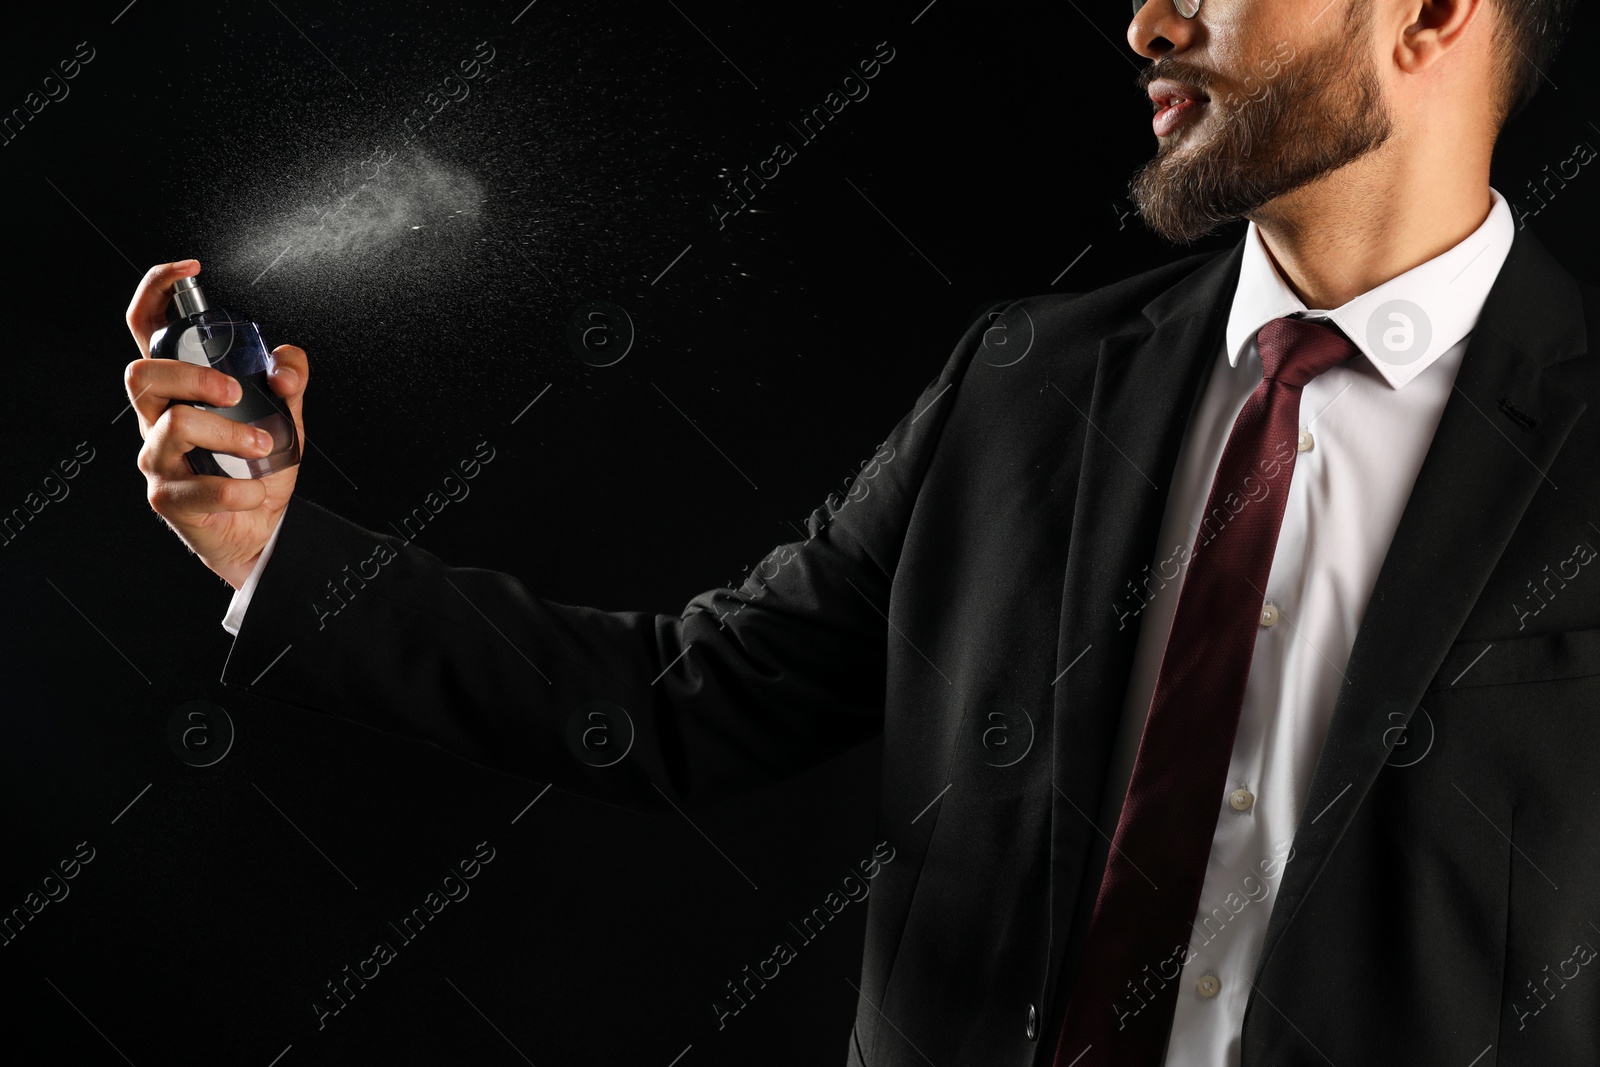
[(241, 596)]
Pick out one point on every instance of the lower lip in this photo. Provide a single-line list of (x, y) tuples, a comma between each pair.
[(1170, 118)]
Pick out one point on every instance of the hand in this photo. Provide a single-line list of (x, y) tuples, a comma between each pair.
[(225, 521)]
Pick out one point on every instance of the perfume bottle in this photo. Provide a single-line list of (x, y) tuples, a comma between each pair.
[(212, 337)]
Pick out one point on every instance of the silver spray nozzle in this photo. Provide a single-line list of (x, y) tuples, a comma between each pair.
[(186, 293)]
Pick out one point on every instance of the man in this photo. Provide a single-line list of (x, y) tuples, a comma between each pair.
[(1232, 629)]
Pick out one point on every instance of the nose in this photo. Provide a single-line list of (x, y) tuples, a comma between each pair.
[(1158, 29)]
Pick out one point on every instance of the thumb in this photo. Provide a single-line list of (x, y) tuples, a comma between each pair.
[(289, 371)]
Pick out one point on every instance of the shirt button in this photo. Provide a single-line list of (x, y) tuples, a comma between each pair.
[(1241, 799), (1208, 986), (1307, 442), (1269, 613)]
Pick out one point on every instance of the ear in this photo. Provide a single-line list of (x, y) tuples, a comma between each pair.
[(1433, 28)]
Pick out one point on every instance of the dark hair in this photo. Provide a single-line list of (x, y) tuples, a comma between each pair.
[(1527, 36)]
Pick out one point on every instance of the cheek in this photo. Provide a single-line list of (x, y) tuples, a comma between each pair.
[(1238, 41)]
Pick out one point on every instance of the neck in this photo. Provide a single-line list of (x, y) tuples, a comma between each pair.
[(1368, 222)]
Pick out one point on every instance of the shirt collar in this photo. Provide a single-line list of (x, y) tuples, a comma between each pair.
[(1401, 326)]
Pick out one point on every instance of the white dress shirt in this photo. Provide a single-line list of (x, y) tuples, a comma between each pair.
[(241, 596), (1366, 425)]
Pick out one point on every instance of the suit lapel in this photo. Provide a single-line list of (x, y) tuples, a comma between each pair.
[(1479, 474), (1133, 419)]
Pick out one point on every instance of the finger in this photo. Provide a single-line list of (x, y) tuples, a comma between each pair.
[(147, 313), (182, 428), (153, 383), (192, 501), (289, 371)]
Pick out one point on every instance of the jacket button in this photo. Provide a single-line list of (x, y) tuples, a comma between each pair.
[(1033, 1023)]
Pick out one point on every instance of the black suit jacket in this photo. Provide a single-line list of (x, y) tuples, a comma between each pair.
[(964, 599)]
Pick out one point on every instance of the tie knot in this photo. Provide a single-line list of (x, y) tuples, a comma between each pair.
[(1294, 351)]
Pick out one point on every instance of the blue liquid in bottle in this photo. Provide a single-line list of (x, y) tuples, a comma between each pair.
[(211, 337)]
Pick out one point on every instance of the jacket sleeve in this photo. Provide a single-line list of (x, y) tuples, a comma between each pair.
[(744, 688)]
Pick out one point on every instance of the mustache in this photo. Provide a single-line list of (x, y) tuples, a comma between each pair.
[(1178, 70)]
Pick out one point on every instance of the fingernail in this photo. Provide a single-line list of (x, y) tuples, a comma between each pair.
[(184, 263), (235, 391), (263, 439)]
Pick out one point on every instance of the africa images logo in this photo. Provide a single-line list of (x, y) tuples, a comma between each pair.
[(200, 733), (1399, 332)]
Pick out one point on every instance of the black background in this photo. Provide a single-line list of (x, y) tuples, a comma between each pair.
[(992, 152)]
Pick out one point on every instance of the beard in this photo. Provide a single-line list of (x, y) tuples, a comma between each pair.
[(1320, 111)]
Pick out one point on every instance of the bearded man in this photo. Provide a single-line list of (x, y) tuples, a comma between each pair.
[(1231, 628)]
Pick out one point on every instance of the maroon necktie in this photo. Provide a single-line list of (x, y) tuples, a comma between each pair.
[(1126, 987)]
